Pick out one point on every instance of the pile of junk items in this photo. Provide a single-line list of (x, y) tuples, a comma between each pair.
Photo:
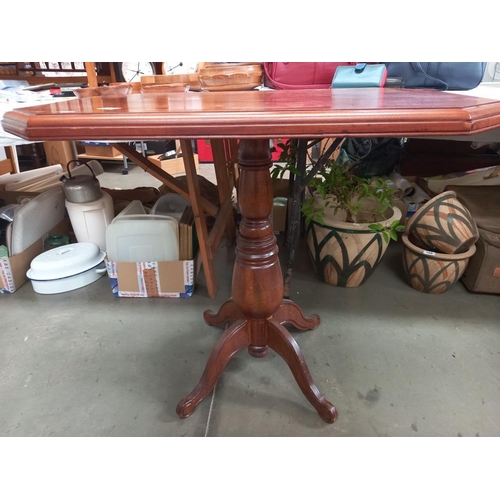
[(61, 231)]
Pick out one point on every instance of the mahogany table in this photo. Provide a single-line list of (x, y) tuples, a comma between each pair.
[(257, 309)]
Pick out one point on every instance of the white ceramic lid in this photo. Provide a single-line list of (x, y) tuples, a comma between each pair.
[(64, 261)]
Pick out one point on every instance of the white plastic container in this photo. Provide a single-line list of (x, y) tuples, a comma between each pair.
[(90, 220), (171, 204), (142, 238), (135, 207), (66, 268)]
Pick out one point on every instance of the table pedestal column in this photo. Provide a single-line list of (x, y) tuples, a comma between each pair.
[(257, 310)]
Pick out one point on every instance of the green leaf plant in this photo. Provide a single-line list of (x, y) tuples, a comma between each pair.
[(361, 199)]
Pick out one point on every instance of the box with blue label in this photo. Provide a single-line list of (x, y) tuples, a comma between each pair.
[(169, 279)]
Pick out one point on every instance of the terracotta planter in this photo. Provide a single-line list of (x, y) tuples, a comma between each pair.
[(346, 254), (431, 272), (445, 224)]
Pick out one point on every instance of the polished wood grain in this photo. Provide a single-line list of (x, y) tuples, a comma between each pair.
[(254, 114)]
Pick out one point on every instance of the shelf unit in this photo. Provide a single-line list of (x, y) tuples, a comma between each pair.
[(122, 158), (90, 74)]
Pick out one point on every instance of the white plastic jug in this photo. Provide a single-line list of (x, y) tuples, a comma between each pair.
[(89, 220)]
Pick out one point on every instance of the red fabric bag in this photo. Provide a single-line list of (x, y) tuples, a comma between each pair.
[(301, 75)]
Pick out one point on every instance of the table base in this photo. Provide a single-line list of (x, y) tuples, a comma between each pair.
[(257, 309), (258, 336)]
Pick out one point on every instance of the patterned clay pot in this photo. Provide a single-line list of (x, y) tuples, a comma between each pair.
[(432, 272), (445, 224), (346, 254)]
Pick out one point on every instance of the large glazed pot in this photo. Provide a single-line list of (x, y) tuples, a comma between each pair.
[(445, 224), (346, 254), (431, 272)]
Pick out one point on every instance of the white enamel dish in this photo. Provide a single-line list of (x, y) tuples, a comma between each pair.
[(66, 268)]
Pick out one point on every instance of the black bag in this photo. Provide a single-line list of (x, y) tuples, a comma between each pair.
[(437, 75), (371, 156)]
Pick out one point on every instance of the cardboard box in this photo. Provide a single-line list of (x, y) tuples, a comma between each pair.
[(172, 166), (60, 152), (98, 149), (13, 269), (172, 279)]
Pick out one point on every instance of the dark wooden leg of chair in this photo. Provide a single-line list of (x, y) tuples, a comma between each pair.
[(234, 339), (199, 217), (223, 184), (281, 341), (167, 179)]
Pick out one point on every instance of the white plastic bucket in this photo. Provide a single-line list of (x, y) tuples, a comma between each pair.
[(89, 220)]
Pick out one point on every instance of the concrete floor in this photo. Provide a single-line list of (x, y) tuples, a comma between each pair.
[(394, 362)]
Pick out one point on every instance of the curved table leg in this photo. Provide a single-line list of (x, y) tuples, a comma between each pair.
[(228, 313), (234, 338), (290, 312), (282, 342)]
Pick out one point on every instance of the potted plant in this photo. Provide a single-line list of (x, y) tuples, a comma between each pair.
[(350, 219)]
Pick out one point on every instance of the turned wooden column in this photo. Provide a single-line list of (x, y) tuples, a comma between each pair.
[(257, 310), (257, 278)]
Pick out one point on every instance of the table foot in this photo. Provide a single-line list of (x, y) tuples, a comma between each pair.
[(235, 338), (282, 342), (229, 312), (289, 312)]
